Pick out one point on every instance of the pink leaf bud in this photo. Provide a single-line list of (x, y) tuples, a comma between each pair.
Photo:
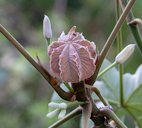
[(72, 57), (47, 31)]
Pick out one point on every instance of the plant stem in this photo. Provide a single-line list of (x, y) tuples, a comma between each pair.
[(121, 85), (119, 45), (22, 50), (106, 69), (45, 74), (48, 42), (69, 87), (100, 96), (109, 113), (75, 112), (133, 27), (111, 39)]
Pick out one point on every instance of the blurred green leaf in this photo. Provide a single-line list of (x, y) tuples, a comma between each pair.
[(133, 94), (109, 87), (91, 124), (109, 83)]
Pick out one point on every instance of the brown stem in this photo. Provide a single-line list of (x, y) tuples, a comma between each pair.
[(53, 82), (111, 39), (80, 91), (83, 94)]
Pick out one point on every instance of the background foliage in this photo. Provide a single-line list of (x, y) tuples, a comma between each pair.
[(24, 94)]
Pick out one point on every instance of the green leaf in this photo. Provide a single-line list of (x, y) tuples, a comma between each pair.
[(109, 87), (133, 96), (109, 83)]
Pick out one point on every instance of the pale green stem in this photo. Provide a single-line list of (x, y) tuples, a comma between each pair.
[(48, 42), (69, 87), (107, 69), (97, 92), (109, 113), (73, 113), (104, 101), (121, 84), (119, 45)]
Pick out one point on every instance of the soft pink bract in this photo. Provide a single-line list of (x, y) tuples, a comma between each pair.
[(72, 57)]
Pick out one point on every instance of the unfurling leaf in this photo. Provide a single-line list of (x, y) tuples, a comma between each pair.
[(72, 57)]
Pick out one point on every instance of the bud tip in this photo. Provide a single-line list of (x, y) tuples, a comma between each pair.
[(47, 31)]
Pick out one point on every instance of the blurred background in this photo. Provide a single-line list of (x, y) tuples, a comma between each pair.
[(24, 94)]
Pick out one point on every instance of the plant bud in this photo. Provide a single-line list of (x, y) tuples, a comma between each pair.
[(53, 113), (54, 105), (62, 114), (72, 57), (63, 106), (136, 21), (125, 54), (47, 31)]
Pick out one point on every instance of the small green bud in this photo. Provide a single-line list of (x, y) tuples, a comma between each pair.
[(63, 106), (54, 105), (53, 113), (62, 114), (125, 54)]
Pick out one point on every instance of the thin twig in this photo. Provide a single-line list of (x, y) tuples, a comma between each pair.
[(106, 69), (111, 39), (100, 96), (97, 92), (73, 113), (120, 46), (53, 82)]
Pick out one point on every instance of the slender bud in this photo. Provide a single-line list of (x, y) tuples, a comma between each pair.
[(53, 113), (125, 54), (62, 114), (54, 105), (47, 31), (136, 21), (63, 106)]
